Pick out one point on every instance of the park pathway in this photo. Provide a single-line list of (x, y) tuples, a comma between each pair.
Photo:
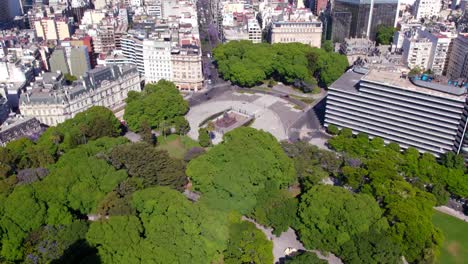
[(289, 239)]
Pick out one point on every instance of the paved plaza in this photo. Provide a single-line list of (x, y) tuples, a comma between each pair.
[(272, 114)]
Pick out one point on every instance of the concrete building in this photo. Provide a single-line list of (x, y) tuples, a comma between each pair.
[(58, 61), (19, 127), (52, 102), (297, 25), (309, 33), (387, 104), (458, 63), (103, 37), (360, 18), (52, 28), (416, 51), (255, 32), (78, 61), (157, 60), (187, 68), (426, 8)]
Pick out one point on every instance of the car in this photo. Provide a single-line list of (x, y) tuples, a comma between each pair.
[(209, 81)]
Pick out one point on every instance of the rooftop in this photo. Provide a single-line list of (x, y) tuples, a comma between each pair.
[(349, 81)]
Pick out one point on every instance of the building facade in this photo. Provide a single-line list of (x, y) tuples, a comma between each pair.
[(426, 8), (360, 18), (309, 33), (52, 102), (413, 113), (458, 63)]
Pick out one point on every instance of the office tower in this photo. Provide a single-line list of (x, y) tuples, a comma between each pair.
[(428, 116), (9, 9), (458, 62), (360, 18)]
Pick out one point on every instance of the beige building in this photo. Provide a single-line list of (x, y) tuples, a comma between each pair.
[(309, 33), (187, 68), (52, 29), (52, 102), (458, 63)]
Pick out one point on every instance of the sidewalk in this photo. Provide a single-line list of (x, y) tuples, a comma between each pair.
[(452, 212)]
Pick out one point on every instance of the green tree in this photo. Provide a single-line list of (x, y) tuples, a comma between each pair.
[(118, 239), (23, 213), (153, 166), (332, 129), (62, 243), (204, 137), (327, 45), (146, 133), (160, 105), (199, 234), (79, 180), (330, 216), (384, 35), (231, 174), (275, 208), (247, 244)]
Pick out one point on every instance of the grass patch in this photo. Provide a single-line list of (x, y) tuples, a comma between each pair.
[(176, 145), (455, 247)]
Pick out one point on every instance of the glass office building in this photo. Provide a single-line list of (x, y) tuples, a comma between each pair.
[(360, 18)]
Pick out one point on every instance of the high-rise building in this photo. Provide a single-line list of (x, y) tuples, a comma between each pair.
[(458, 63), (426, 8), (360, 18), (428, 116), (9, 9), (319, 6)]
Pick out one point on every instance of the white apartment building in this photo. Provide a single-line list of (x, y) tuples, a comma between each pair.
[(157, 60), (413, 113), (458, 63), (426, 8), (52, 102), (416, 51), (132, 49), (255, 32), (439, 53)]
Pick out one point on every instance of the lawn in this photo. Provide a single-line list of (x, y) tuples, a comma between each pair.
[(176, 145), (455, 247)]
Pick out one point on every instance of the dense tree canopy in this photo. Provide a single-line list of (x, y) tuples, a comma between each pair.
[(153, 166), (384, 35), (383, 172), (160, 106), (247, 244), (232, 174), (248, 64)]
